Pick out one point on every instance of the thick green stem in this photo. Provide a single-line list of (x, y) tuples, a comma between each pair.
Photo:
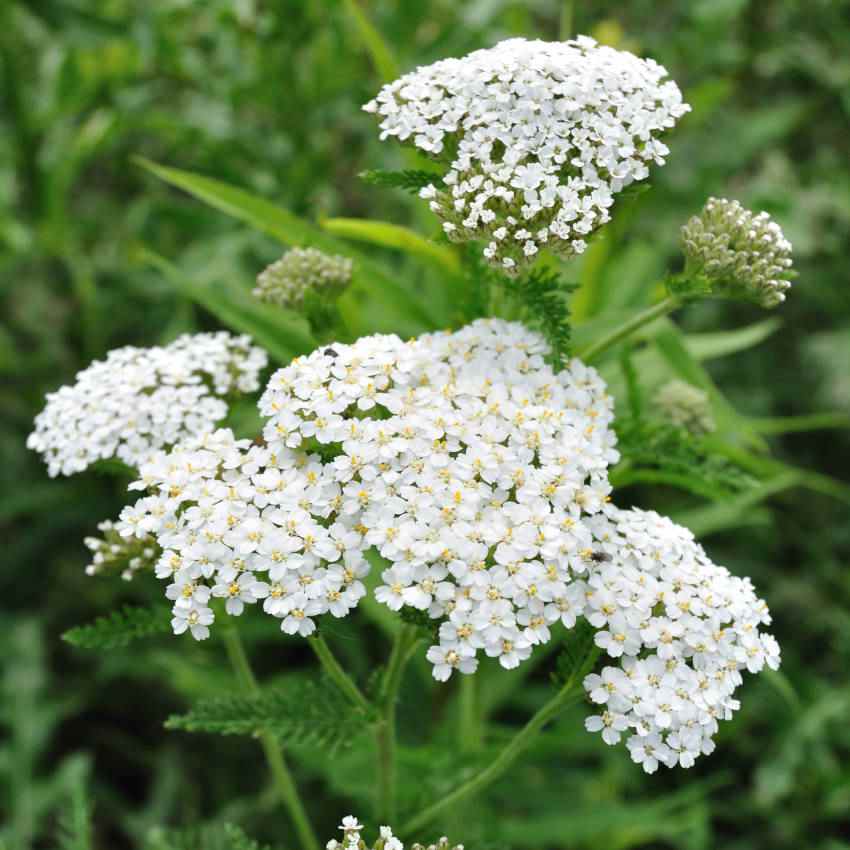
[(385, 731), (284, 783), (333, 668), (503, 761), (662, 308)]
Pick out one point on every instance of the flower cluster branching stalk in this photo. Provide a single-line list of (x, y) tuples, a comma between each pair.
[(284, 783), (385, 732), (334, 670), (656, 311), (569, 693)]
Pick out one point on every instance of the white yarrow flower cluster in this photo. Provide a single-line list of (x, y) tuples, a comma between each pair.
[(246, 523), (463, 458), (743, 254), (141, 400), (539, 136), (352, 839), (682, 630)]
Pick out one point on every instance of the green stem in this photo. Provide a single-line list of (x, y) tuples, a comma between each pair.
[(662, 308), (283, 780), (469, 727), (333, 668), (566, 28), (385, 731), (521, 741)]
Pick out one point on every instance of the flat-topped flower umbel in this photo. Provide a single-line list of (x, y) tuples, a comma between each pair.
[(681, 628), (140, 400), (538, 137)]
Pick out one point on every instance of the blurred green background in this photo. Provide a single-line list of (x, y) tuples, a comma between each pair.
[(267, 95)]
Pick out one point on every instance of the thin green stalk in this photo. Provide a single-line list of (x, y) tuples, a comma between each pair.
[(333, 668), (283, 780), (566, 28), (662, 308), (385, 731), (521, 741), (469, 715)]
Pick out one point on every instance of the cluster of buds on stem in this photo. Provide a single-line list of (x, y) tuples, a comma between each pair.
[(113, 553), (732, 252), (685, 406), (301, 271)]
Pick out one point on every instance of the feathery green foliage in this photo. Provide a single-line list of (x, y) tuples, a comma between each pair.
[(541, 296), (238, 840), (411, 179), (655, 452), (577, 656), (120, 628), (304, 711), (210, 836), (75, 826)]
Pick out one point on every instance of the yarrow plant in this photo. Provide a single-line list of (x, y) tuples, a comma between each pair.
[(459, 485)]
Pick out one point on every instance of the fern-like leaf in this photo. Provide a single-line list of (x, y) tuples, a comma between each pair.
[(238, 840), (209, 836), (75, 828), (411, 180), (120, 628), (542, 295), (307, 711), (577, 656), (661, 453)]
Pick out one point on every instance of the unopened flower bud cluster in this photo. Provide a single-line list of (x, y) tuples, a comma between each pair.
[(299, 271), (140, 400), (113, 553), (743, 254), (540, 137), (686, 406), (351, 839)]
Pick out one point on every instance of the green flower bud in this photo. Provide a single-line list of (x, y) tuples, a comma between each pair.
[(734, 253), (686, 406), (302, 270)]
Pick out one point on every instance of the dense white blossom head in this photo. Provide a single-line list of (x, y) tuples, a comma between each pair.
[(140, 400), (679, 629), (539, 138), (739, 253), (463, 458), (302, 270)]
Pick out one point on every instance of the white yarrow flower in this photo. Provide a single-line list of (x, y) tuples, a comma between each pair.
[(682, 629), (539, 138), (352, 830), (141, 400)]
